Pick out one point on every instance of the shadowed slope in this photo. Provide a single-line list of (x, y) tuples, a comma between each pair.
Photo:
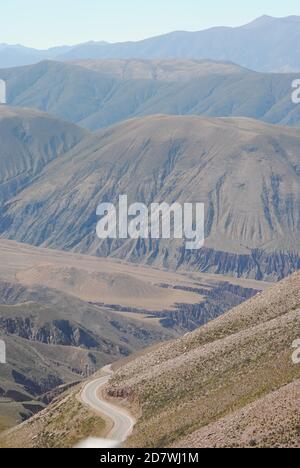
[(30, 140)]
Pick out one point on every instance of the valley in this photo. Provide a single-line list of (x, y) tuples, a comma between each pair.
[(229, 384), (63, 316)]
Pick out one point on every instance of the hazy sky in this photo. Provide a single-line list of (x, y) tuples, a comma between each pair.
[(43, 24)]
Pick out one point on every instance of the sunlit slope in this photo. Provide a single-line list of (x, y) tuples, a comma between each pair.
[(232, 362), (245, 172)]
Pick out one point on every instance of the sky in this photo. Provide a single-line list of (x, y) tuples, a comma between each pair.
[(42, 24)]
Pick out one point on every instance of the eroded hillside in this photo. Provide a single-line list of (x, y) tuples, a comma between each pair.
[(203, 383)]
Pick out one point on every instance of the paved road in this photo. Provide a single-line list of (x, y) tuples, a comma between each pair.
[(123, 423)]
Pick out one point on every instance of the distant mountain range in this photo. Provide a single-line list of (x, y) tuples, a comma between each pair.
[(266, 44), (101, 93)]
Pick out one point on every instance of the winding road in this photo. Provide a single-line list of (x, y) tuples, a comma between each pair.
[(123, 423)]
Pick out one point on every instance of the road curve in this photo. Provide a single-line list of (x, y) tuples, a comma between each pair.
[(123, 423)]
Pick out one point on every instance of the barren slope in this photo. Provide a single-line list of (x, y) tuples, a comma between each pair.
[(236, 360), (98, 94), (271, 421), (61, 425), (246, 173), (29, 141)]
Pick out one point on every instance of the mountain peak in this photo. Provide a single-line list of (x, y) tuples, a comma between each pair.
[(266, 19), (261, 21)]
